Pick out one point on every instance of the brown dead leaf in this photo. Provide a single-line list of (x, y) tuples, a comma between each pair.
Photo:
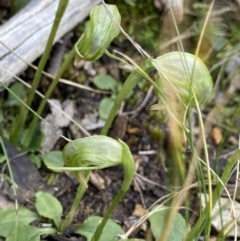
[(233, 140), (97, 181), (138, 160), (216, 135), (213, 238), (139, 211), (56, 120), (134, 130), (119, 127)]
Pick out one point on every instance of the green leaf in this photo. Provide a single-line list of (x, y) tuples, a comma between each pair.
[(158, 223), (88, 227), (99, 32), (8, 219), (105, 107), (130, 2), (49, 207), (36, 139), (19, 90), (105, 82), (26, 233), (35, 160), (2, 158), (53, 159)]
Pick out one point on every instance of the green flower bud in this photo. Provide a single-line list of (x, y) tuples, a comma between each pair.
[(99, 32), (96, 152), (183, 74)]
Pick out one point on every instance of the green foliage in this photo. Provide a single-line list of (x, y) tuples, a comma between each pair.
[(105, 107), (106, 82), (49, 207), (158, 223), (17, 224), (36, 138), (140, 19), (9, 217), (89, 226), (181, 74), (2, 158), (53, 159), (19, 90), (35, 160), (26, 233)]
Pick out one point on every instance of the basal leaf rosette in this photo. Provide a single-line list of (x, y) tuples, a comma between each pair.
[(184, 74)]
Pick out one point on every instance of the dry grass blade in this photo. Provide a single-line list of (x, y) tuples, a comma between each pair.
[(85, 132), (68, 82), (136, 45)]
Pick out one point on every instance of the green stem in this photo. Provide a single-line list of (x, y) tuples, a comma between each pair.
[(80, 191), (9, 167), (111, 208), (24, 112), (230, 167), (47, 95), (128, 165), (132, 80)]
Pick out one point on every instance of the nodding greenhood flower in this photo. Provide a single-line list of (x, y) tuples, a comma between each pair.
[(182, 74), (97, 152), (99, 32)]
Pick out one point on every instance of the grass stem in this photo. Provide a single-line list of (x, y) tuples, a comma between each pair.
[(230, 167), (21, 119), (47, 95)]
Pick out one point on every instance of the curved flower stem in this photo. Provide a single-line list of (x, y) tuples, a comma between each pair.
[(80, 191), (132, 80), (128, 169), (111, 208)]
